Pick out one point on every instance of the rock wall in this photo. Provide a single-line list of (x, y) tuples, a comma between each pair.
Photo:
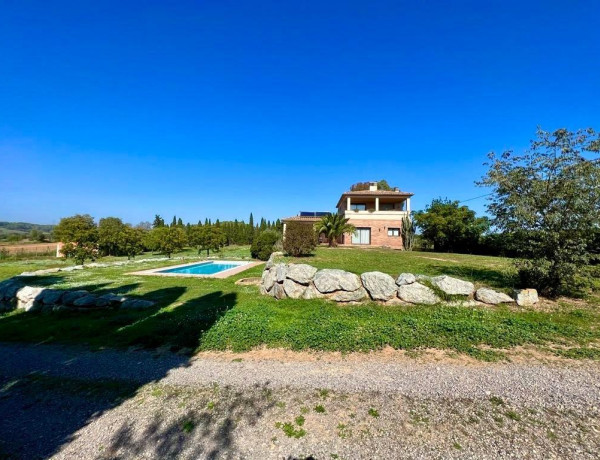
[(302, 281), (14, 294)]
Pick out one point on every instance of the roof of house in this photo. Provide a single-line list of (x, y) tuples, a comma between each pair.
[(375, 193), (302, 219)]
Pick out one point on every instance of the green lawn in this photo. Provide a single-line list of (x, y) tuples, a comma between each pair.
[(203, 314)]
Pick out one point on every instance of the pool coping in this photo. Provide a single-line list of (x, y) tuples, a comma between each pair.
[(221, 275)]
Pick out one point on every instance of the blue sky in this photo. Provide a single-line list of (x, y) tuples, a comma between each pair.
[(218, 108)]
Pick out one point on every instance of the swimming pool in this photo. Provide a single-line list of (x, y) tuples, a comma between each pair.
[(204, 268)]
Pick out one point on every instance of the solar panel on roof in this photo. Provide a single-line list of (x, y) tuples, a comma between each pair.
[(313, 214)]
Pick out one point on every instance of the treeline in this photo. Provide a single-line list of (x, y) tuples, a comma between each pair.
[(17, 231), (84, 239)]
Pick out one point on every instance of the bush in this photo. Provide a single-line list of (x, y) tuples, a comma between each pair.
[(300, 239), (264, 244)]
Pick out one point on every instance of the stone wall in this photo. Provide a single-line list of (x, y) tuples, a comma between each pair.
[(14, 294), (302, 281)]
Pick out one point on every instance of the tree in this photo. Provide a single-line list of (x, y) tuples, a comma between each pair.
[(79, 235), (334, 225), (450, 227), (167, 240), (174, 221), (131, 241), (300, 239), (109, 235), (550, 194), (381, 185), (408, 233), (158, 222), (250, 236), (179, 222), (207, 238), (264, 244)]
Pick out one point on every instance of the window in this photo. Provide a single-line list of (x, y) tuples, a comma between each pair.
[(358, 206), (362, 236), (393, 232), (386, 206)]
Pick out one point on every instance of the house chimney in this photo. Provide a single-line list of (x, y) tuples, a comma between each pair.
[(396, 189), (373, 187)]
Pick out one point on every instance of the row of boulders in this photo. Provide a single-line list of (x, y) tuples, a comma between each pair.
[(302, 281), (13, 294)]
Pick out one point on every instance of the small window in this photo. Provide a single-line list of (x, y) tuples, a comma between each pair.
[(386, 206), (393, 232), (358, 206)]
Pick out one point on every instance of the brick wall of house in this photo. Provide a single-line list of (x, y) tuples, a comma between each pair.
[(379, 232)]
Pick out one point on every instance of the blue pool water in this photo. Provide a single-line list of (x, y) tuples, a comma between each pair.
[(204, 268)]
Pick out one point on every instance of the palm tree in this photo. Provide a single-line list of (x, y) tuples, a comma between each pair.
[(334, 225)]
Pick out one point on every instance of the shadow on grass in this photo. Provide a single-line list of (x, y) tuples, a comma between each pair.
[(51, 392)]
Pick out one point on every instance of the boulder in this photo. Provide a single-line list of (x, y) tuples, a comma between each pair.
[(405, 278), (85, 301), (301, 273), (349, 296), (280, 272), (102, 302), (453, 286), (71, 296), (379, 285), (136, 304), (526, 297), (71, 268), (272, 259), (52, 296), (293, 290), (492, 297), (417, 293), (113, 299), (311, 292), (268, 279), (422, 277), (331, 280), (29, 298), (9, 289), (278, 292)]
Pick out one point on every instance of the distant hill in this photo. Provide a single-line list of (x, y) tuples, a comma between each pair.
[(22, 228)]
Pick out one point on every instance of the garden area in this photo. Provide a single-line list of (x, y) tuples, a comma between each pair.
[(199, 314)]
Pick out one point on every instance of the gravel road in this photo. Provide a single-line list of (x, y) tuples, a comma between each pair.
[(75, 403)]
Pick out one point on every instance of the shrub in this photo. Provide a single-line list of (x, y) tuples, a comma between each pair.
[(264, 244), (300, 239)]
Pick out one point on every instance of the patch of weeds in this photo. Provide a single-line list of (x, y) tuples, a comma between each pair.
[(579, 353), (457, 446), (343, 431), (490, 356), (280, 404), (499, 420), (236, 360), (417, 418), (373, 412), (472, 419), (300, 420), (210, 405), (334, 455), (352, 415), (188, 426), (551, 435), (290, 431), (511, 414), (323, 393), (496, 401), (274, 439), (319, 409), (304, 410)]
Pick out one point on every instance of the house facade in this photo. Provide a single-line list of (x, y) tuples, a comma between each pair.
[(376, 214)]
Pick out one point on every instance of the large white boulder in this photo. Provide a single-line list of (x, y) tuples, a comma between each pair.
[(380, 286), (293, 290), (280, 272), (405, 278), (492, 297), (526, 297), (349, 296), (331, 280), (29, 298), (453, 286), (311, 292), (417, 293), (268, 279), (301, 273)]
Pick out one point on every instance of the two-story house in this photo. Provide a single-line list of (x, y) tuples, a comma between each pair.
[(376, 214)]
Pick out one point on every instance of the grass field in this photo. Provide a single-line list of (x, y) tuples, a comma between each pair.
[(214, 314)]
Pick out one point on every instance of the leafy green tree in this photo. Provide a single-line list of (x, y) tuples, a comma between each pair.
[(207, 238), (109, 235), (174, 221), (79, 235), (300, 239), (167, 240), (550, 194), (131, 241), (333, 226), (264, 244), (179, 222), (158, 222), (450, 227)]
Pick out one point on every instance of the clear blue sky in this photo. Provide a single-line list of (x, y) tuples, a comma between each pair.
[(219, 108)]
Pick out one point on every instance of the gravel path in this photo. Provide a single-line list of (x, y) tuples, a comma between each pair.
[(172, 406)]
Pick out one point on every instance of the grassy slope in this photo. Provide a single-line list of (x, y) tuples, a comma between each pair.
[(217, 314)]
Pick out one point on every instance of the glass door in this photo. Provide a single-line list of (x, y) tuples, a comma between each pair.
[(362, 236)]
